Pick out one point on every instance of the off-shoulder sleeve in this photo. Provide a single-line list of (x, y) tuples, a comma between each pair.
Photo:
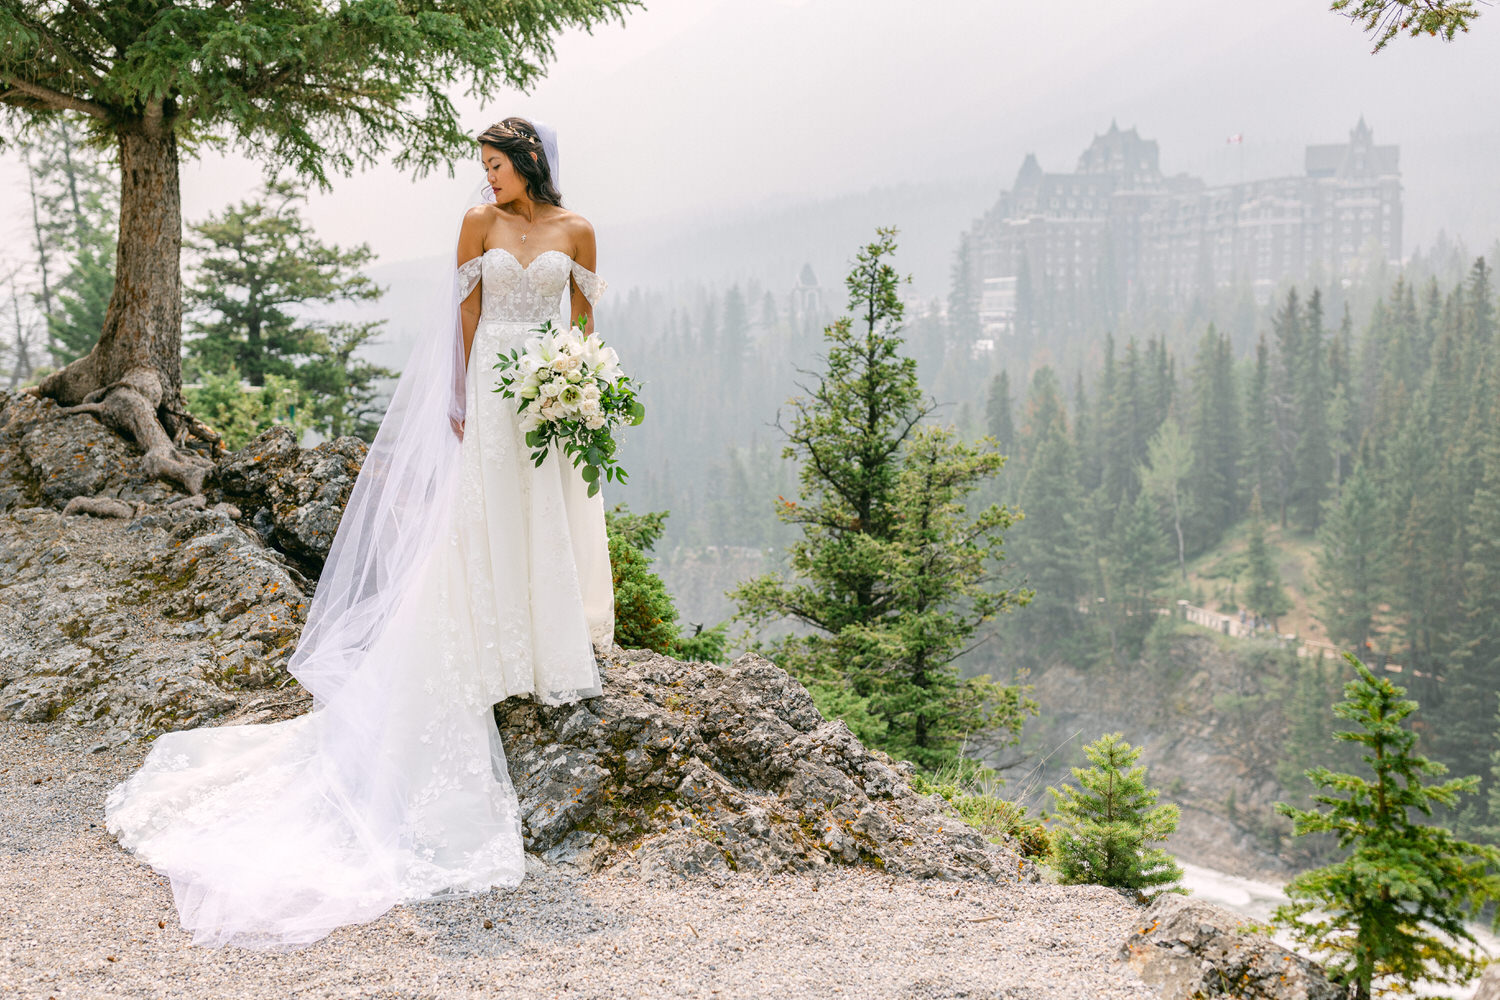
[(468, 276), (590, 284)]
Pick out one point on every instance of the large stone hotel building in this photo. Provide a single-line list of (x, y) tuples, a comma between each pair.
[(1119, 233)]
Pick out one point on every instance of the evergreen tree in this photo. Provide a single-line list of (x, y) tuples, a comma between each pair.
[(340, 387), (1287, 328), (1110, 822), (1260, 432), (259, 265), (74, 219), (1313, 454), (999, 418), (736, 341), (963, 294), (1348, 577), (1169, 470), (1467, 740), (318, 87), (1264, 595), (1386, 19), (1135, 571), (891, 572), (645, 614), (1393, 911), (1214, 435), (1050, 546)]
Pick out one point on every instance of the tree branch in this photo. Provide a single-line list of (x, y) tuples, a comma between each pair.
[(54, 99)]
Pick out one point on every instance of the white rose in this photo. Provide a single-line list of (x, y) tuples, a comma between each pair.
[(591, 391), (589, 407), (595, 422), (551, 388)]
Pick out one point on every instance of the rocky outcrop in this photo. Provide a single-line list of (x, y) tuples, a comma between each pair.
[(130, 609), (1190, 951), (156, 623), (293, 497), (689, 767), (48, 459)]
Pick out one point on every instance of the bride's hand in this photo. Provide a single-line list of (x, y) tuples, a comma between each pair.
[(458, 427)]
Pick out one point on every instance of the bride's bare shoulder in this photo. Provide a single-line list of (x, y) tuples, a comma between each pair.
[(479, 215), (579, 230)]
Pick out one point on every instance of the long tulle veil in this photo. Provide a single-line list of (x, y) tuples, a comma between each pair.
[(404, 494)]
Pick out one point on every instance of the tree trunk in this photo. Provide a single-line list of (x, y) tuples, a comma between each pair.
[(132, 379)]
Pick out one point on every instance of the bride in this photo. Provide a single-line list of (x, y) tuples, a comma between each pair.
[(460, 575)]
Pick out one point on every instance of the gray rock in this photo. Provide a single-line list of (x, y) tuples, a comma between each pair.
[(47, 458), (1189, 950), (693, 767), (100, 507), (298, 494), (163, 622)]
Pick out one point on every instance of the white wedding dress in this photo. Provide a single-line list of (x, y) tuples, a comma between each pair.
[(394, 788)]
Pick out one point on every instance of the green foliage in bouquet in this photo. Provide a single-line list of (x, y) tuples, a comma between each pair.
[(572, 394)]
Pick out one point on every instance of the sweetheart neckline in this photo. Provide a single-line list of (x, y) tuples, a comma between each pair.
[(527, 265)]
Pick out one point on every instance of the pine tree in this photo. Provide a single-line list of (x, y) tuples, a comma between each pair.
[(1312, 458), (1109, 824), (999, 418), (891, 573), (1467, 740), (1260, 433), (1348, 576), (1287, 327), (736, 341), (340, 387), (1264, 595), (1170, 461), (1049, 547), (963, 294), (74, 216), (1135, 570), (258, 263), (317, 87), (1393, 911), (1214, 433)]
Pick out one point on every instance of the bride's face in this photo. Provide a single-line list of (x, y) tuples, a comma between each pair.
[(505, 180)]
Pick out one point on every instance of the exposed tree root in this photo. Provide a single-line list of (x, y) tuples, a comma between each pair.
[(129, 406)]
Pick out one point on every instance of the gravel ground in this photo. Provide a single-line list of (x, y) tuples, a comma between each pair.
[(84, 919)]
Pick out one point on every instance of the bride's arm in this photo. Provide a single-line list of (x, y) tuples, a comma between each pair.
[(585, 253), (471, 245)]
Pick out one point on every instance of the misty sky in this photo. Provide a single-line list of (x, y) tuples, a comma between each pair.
[(697, 109)]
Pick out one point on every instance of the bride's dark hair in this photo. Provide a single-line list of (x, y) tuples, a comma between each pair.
[(517, 139)]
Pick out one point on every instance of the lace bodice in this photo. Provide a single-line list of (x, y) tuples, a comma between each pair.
[(515, 293)]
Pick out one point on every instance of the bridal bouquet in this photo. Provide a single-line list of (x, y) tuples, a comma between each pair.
[(572, 393)]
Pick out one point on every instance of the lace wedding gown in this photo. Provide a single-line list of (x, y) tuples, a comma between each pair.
[(394, 788)]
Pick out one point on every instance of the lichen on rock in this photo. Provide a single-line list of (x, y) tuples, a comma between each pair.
[(1188, 949), (688, 767)]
